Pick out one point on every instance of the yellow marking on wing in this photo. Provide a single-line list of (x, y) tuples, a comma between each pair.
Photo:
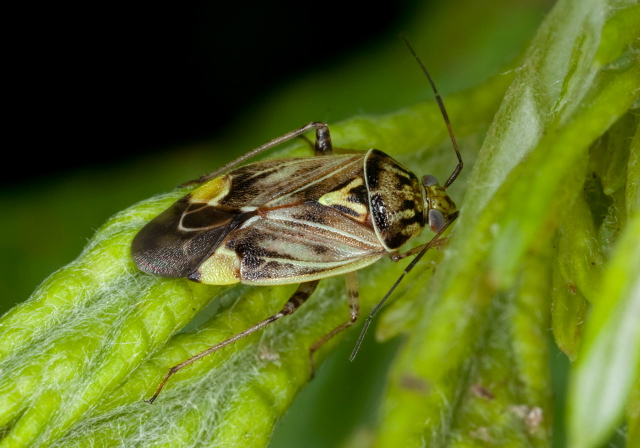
[(212, 191), (340, 197), (221, 268)]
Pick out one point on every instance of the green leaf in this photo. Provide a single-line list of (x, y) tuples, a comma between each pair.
[(609, 362), (527, 173)]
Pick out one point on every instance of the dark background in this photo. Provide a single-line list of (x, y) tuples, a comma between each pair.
[(91, 85)]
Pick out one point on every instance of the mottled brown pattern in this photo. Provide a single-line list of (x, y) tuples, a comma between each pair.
[(289, 219), (397, 203)]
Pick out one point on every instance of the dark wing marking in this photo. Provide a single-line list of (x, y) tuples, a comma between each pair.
[(178, 240)]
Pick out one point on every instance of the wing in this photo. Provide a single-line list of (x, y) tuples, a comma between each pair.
[(176, 242), (245, 225), (280, 182), (300, 243)]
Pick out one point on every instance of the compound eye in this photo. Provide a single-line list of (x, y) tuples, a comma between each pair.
[(436, 220), (429, 180)]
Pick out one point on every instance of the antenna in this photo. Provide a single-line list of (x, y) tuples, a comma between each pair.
[(458, 168), (449, 181)]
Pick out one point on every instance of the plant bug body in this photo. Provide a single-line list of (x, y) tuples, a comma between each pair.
[(296, 220)]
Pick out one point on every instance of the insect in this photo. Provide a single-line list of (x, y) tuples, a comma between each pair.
[(297, 220)]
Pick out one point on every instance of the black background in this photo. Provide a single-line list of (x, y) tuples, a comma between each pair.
[(94, 84)]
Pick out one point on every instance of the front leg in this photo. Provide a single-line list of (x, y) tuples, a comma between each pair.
[(438, 243), (419, 253)]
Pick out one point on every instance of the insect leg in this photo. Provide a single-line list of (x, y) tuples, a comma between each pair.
[(298, 298), (433, 243), (322, 147), (333, 148), (307, 141), (353, 295), (421, 250)]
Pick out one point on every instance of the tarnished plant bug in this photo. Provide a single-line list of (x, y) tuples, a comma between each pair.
[(297, 220)]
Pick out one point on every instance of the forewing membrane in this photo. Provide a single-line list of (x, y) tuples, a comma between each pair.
[(176, 242)]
